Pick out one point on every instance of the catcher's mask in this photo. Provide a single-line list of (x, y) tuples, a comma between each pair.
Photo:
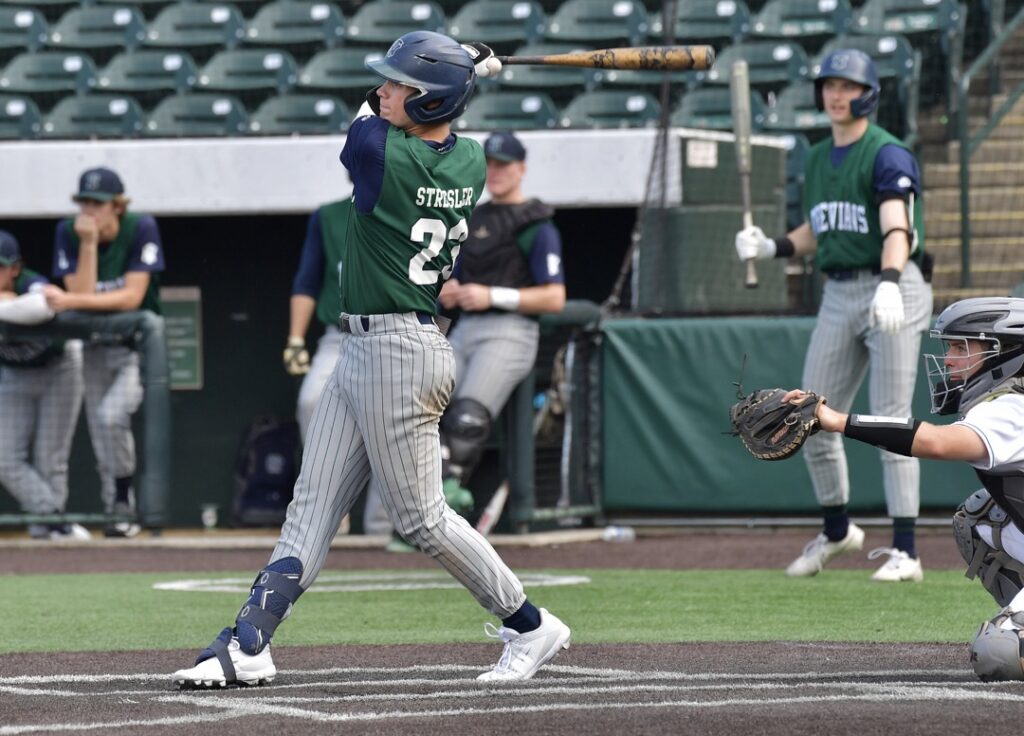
[(984, 352)]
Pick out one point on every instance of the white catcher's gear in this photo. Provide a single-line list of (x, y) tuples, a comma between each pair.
[(752, 243), (1001, 575), (887, 308), (996, 648)]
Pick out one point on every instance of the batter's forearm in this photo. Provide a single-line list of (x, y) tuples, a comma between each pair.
[(300, 314), (544, 299), (804, 242)]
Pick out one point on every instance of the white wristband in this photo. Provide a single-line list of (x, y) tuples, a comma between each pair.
[(505, 298)]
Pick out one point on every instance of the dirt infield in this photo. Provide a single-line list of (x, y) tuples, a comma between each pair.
[(776, 688)]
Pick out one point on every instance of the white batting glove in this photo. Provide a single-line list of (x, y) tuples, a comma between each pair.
[(484, 60), (296, 357), (887, 308), (751, 243)]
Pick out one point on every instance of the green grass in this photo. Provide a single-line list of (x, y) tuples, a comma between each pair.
[(120, 612)]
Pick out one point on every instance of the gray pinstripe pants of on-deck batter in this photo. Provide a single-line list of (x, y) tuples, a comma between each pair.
[(841, 350), (493, 354), (38, 412), (113, 392), (377, 418)]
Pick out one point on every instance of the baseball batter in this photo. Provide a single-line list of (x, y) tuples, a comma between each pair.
[(981, 377), (110, 260), (40, 397), (862, 204), (509, 270), (415, 185)]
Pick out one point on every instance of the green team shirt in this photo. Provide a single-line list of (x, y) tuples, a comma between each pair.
[(400, 253), (840, 206), (334, 224)]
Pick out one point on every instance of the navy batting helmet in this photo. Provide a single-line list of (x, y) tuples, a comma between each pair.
[(437, 66), (856, 66)]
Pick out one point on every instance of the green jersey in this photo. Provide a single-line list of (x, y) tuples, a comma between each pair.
[(401, 252), (334, 223), (840, 204)]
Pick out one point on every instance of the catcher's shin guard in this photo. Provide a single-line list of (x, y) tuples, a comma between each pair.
[(1001, 575), (996, 649)]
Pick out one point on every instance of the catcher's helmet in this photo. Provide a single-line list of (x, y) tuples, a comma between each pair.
[(996, 321), (434, 64), (856, 66)]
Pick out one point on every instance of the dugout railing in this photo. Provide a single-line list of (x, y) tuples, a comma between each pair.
[(144, 332)]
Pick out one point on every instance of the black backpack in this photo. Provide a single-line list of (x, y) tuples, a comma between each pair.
[(265, 471)]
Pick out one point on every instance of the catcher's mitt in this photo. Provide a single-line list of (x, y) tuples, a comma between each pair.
[(772, 429)]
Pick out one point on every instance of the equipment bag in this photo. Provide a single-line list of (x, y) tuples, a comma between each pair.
[(265, 471)]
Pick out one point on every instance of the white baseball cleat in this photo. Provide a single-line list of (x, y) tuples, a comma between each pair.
[(524, 654), (899, 567), (250, 669), (819, 551)]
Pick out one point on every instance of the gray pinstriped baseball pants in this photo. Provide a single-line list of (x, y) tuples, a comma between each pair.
[(841, 350), (377, 418), (493, 354)]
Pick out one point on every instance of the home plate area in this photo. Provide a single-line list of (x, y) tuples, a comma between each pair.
[(837, 682)]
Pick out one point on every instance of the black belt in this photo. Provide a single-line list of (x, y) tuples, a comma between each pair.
[(345, 324), (849, 274)]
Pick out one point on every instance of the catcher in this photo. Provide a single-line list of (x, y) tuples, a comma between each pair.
[(981, 377)]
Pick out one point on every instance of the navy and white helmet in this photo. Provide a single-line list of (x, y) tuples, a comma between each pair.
[(856, 66), (437, 66), (997, 323)]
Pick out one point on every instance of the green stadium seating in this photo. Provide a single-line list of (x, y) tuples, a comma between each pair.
[(561, 82), (21, 29), (600, 23), (148, 75), (772, 64), (250, 74), (808, 22), (299, 26), (101, 30), (509, 110), (94, 116), (503, 24), (198, 115), (19, 117), (199, 28), (51, 10), (46, 76), (341, 71), (611, 109), (796, 112), (711, 108), (301, 115), (382, 21), (717, 22), (149, 8)]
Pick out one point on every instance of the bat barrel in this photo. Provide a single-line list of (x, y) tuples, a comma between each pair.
[(651, 58)]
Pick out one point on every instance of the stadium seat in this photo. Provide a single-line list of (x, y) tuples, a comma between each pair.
[(808, 22), (382, 21), (149, 8), (51, 10), (561, 82), (796, 112), (716, 22), (250, 74), (199, 28), (772, 64), (340, 71), (198, 115), (504, 24), (611, 109), (599, 22), (509, 110), (301, 115), (100, 30), (46, 76), (935, 27), (19, 117), (148, 75), (299, 26), (711, 108), (94, 116), (899, 71), (21, 29)]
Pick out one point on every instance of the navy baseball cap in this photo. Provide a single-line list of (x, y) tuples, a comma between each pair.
[(504, 146), (100, 185), (9, 251)]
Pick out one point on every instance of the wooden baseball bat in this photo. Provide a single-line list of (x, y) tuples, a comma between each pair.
[(658, 58), (740, 82)]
